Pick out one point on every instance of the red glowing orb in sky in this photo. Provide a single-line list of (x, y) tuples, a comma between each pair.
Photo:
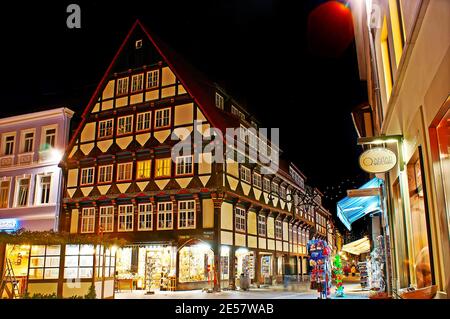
[(330, 29)]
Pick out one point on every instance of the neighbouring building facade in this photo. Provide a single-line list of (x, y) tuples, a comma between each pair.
[(31, 146), (404, 55), (191, 222)]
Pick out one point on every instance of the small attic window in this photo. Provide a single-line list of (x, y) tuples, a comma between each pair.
[(138, 44)]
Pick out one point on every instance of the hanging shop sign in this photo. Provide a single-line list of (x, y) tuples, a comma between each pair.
[(10, 224), (377, 160)]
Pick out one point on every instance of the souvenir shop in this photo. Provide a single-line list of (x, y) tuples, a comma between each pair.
[(244, 265), (155, 268)]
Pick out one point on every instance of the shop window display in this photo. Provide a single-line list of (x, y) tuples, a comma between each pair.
[(419, 223), (194, 261), (19, 256), (225, 263), (44, 262), (79, 261)]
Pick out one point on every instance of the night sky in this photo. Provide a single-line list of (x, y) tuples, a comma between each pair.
[(282, 59)]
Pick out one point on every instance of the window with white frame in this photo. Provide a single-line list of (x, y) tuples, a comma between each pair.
[(23, 191), (275, 187), (165, 215), (246, 174), (145, 215), (144, 169), (143, 121), (294, 235), (122, 86), (162, 118), (243, 134), (4, 193), (252, 141), (240, 219), (283, 192), (126, 213), (152, 79), (234, 110), (105, 173), (186, 214), (163, 167), (106, 223), (184, 165), (125, 125), (43, 189), (278, 229), (257, 182), (219, 101), (266, 185), (124, 171), (87, 176), (137, 82), (44, 262), (105, 128), (262, 225), (8, 144), (49, 138), (27, 142), (88, 220), (79, 261)]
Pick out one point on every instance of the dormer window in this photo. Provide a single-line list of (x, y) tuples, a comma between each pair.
[(219, 101)]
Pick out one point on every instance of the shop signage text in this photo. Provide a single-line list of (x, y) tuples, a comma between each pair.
[(377, 160), (9, 224)]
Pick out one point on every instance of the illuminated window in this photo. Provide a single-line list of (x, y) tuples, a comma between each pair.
[(44, 262), (105, 173), (165, 215), (145, 216), (387, 66), (43, 189), (278, 229), (106, 223), (87, 176), (266, 185), (163, 167), (397, 28), (144, 169), (257, 180), (246, 174), (137, 82), (105, 128), (219, 101), (162, 118), (125, 125), (28, 142), (186, 214), (122, 86), (124, 171), (49, 138), (126, 213), (88, 220), (23, 192), (152, 79), (4, 193), (79, 261), (184, 165), (275, 188), (143, 121), (262, 226), (8, 144), (240, 220)]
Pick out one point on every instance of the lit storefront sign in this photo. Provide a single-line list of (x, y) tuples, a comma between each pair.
[(10, 224), (377, 160)]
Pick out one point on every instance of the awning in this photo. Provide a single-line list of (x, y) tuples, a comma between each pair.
[(357, 247), (351, 209)]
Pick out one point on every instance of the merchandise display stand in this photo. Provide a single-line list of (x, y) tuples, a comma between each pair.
[(364, 274), (321, 268)]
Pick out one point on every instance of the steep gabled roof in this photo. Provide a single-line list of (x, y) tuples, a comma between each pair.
[(196, 84)]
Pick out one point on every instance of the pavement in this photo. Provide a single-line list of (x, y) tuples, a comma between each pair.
[(352, 290)]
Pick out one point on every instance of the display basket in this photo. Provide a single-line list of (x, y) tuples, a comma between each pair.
[(421, 293)]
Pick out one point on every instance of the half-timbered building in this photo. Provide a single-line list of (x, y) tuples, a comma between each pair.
[(189, 220)]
